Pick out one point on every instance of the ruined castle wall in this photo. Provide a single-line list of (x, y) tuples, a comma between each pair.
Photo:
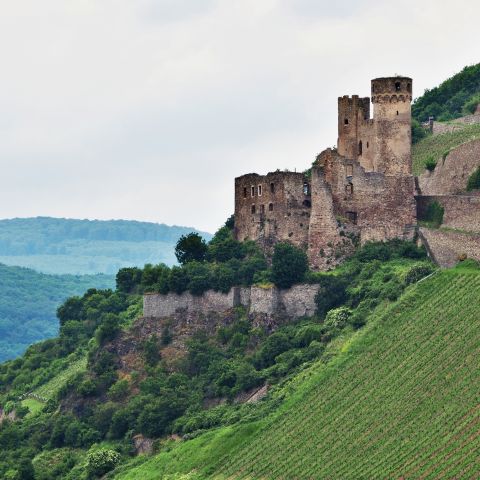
[(448, 247), (451, 175), (296, 302), (380, 207), (460, 211), (457, 124), (271, 208)]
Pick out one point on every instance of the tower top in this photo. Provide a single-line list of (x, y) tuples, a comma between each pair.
[(399, 86)]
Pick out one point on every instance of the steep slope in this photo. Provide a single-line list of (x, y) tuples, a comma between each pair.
[(28, 302), (400, 401)]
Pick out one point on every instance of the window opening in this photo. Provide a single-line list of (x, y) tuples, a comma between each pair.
[(272, 188), (259, 190), (349, 188), (270, 207), (245, 192), (360, 147), (253, 208), (345, 121), (307, 203), (352, 216), (262, 208), (253, 191), (397, 86), (306, 189), (349, 170)]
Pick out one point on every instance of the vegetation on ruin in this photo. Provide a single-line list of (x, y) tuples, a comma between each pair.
[(432, 148), (455, 97), (71, 401)]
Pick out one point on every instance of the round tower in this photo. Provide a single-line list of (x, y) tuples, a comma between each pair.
[(391, 98)]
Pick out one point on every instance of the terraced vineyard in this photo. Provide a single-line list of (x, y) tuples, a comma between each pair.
[(402, 402)]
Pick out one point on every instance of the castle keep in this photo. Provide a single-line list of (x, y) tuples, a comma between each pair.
[(362, 190)]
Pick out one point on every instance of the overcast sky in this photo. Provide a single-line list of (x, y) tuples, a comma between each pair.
[(148, 109)]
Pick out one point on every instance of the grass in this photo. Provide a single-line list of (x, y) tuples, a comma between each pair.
[(34, 406), (399, 400), (436, 146)]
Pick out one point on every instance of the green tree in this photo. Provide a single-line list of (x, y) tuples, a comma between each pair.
[(191, 247), (289, 265)]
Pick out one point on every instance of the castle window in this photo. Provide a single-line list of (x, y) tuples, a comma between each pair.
[(306, 189), (307, 203), (349, 170), (409, 87), (349, 189), (253, 208), (397, 86), (262, 208), (259, 190), (253, 191), (245, 192), (352, 216), (360, 147), (367, 145), (270, 207), (345, 121), (397, 112), (272, 188)]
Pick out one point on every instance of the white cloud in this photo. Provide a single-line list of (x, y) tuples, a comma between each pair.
[(148, 109)]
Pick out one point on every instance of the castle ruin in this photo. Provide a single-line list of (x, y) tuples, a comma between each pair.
[(361, 191)]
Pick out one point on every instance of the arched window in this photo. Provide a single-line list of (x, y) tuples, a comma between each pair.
[(245, 192), (272, 188), (259, 190), (262, 208), (270, 207), (253, 191), (360, 147)]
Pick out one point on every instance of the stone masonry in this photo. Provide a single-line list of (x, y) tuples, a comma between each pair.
[(362, 190)]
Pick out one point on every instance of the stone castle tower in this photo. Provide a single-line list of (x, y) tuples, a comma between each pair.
[(361, 191)]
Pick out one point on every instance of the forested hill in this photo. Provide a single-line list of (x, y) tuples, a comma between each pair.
[(59, 245), (28, 303), (457, 96)]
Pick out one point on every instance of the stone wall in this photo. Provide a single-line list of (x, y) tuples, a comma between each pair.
[(447, 247), (272, 208), (460, 211), (289, 304), (438, 128), (451, 174)]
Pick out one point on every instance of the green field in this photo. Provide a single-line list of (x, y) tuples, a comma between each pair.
[(401, 401), (437, 145)]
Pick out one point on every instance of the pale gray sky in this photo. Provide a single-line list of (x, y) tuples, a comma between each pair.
[(147, 109)]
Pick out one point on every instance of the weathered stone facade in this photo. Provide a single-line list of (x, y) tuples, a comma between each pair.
[(362, 190)]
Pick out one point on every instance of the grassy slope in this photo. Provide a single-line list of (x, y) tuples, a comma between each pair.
[(436, 145), (401, 400)]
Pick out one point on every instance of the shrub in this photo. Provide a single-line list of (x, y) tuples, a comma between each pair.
[(434, 214), (191, 247), (119, 390), (418, 131), (178, 280), (102, 461), (128, 278), (430, 163), (338, 317), (332, 293), (474, 181), (417, 272), (289, 265), (151, 352)]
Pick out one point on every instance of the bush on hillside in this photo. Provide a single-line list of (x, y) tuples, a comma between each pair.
[(433, 214), (289, 265), (418, 131), (102, 461), (474, 181), (430, 163), (331, 294)]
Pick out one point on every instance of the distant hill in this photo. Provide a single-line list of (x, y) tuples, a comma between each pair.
[(61, 246), (454, 98), (28, 304)]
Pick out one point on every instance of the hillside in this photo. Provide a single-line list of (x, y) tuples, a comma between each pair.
[(61, 246), (453, 98), (28, 303), (436, 146), (400, 401)]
